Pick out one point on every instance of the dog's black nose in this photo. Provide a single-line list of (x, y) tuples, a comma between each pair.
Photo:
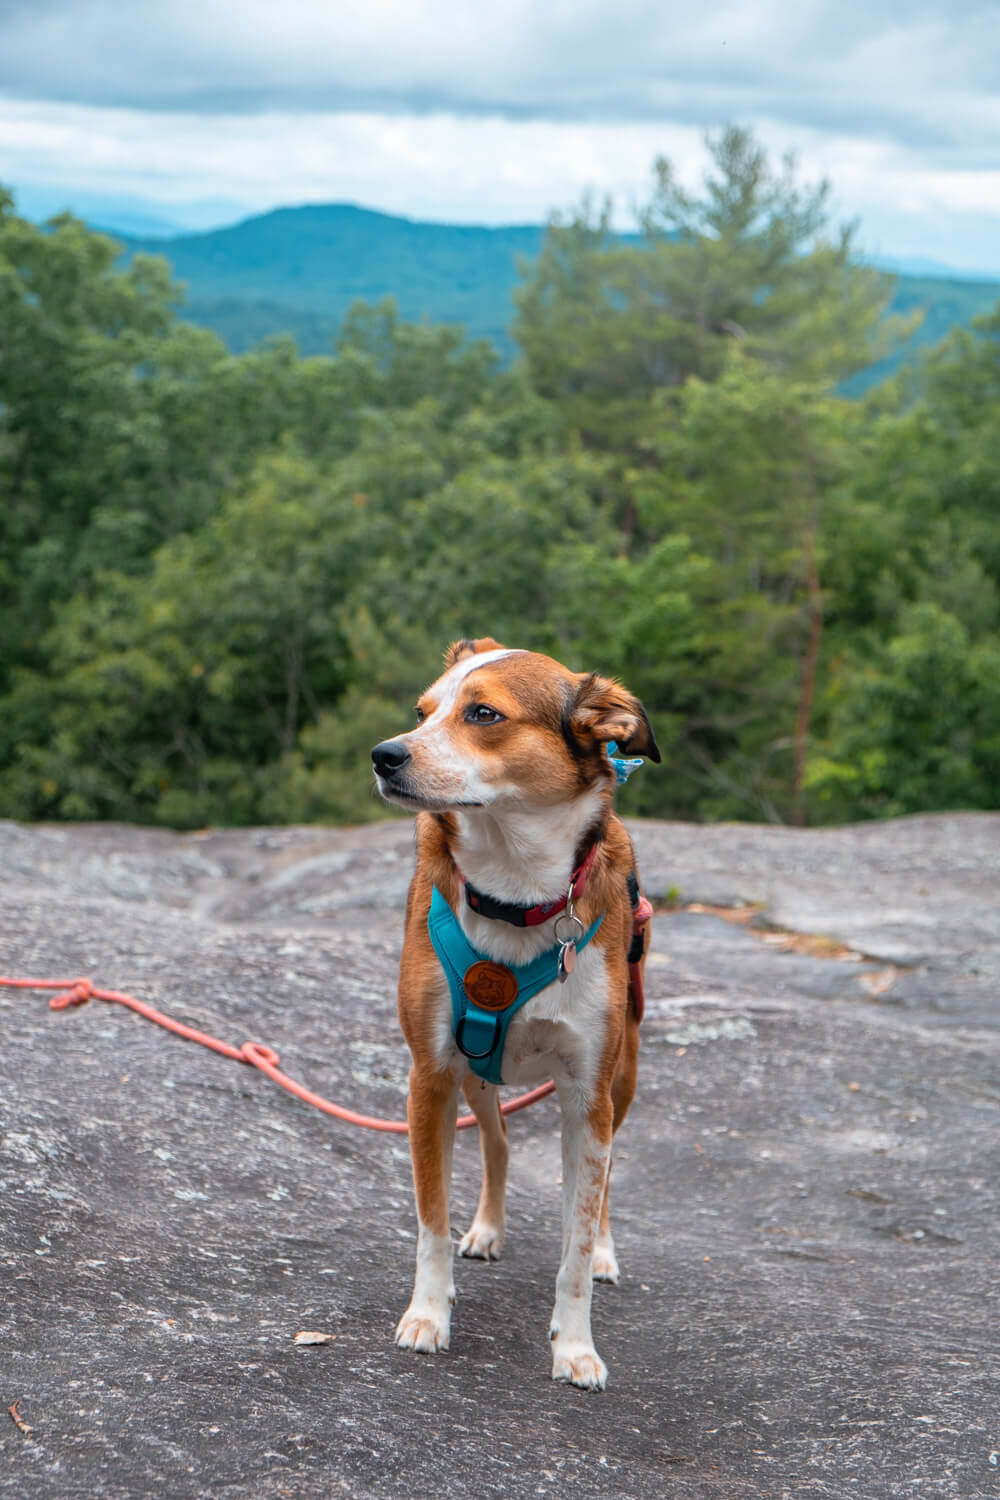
[(389, 757)]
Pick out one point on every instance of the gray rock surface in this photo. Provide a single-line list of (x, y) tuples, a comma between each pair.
[(805, 1195)]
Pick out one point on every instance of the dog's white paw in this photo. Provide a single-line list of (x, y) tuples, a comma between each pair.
[(605, 1264), (483, 1242), (424, 1329), (580, 1364)]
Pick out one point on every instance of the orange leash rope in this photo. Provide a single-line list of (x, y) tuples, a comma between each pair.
[(79, 991)]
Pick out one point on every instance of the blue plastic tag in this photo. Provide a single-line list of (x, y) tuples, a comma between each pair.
[(623, 765)]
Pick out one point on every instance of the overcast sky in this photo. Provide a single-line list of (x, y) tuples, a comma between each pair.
[(200, 111)]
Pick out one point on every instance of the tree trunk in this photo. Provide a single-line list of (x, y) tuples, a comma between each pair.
[(808, 678)]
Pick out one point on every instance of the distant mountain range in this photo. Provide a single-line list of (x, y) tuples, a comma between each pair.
[(919, 265), (297, 270)]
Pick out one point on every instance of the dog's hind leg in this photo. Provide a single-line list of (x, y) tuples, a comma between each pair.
[(484, 1239), (431, 1110), (605, 1266)]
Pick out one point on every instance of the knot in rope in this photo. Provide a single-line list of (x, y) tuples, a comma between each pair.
[(256, 1053), (74, 992), (78, 994)]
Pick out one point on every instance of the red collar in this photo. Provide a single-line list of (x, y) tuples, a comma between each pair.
[(530, 916)]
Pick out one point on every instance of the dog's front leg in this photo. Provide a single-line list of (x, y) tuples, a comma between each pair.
[(431, 1110), (586, 1158), (484, 1239)]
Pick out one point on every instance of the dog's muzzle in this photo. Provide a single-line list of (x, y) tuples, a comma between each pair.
[(389, 758)]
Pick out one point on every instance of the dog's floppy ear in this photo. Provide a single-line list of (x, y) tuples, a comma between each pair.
[(459, 649), (604, 710)]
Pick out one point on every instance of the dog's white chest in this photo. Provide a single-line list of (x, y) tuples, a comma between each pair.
[(561, 1033)]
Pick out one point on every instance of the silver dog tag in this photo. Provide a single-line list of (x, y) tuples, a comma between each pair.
[(567, 951)]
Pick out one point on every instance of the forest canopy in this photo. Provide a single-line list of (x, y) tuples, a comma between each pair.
[(223, 578)]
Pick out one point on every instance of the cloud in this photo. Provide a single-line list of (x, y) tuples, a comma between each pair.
[(924, 73), (486, 170), (497, 114)]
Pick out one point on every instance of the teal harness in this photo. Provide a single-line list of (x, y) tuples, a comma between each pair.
[(481, 1033)]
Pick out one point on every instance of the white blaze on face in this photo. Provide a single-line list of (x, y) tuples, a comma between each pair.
[(448, 686), (445, 770)]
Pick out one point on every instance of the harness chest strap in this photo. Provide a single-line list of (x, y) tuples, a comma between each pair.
[(501, 990)]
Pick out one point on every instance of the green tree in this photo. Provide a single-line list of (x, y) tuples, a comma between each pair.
[(750, 467), (174, 693), (914, 602), (604, 323), (73, 333), (918, 730), (418, 361), (223, 578)]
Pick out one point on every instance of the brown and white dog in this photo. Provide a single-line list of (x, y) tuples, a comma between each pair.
[(508, 767)]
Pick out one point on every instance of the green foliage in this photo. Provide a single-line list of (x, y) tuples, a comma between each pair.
[(223, 578), (176, 690), (296, 272), (607, 325), (941, 305), (73, 419), (913, 687), (919, 729)]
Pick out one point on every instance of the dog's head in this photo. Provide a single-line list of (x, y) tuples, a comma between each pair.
[(503, 727)]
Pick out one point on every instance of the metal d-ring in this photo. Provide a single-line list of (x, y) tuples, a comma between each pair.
[(472, 1056), (570, 937)]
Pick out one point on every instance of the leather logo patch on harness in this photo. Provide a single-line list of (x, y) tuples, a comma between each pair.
[(490, 986)]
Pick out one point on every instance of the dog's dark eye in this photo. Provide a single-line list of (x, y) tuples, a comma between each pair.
[(421, 716), (481, 713)]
